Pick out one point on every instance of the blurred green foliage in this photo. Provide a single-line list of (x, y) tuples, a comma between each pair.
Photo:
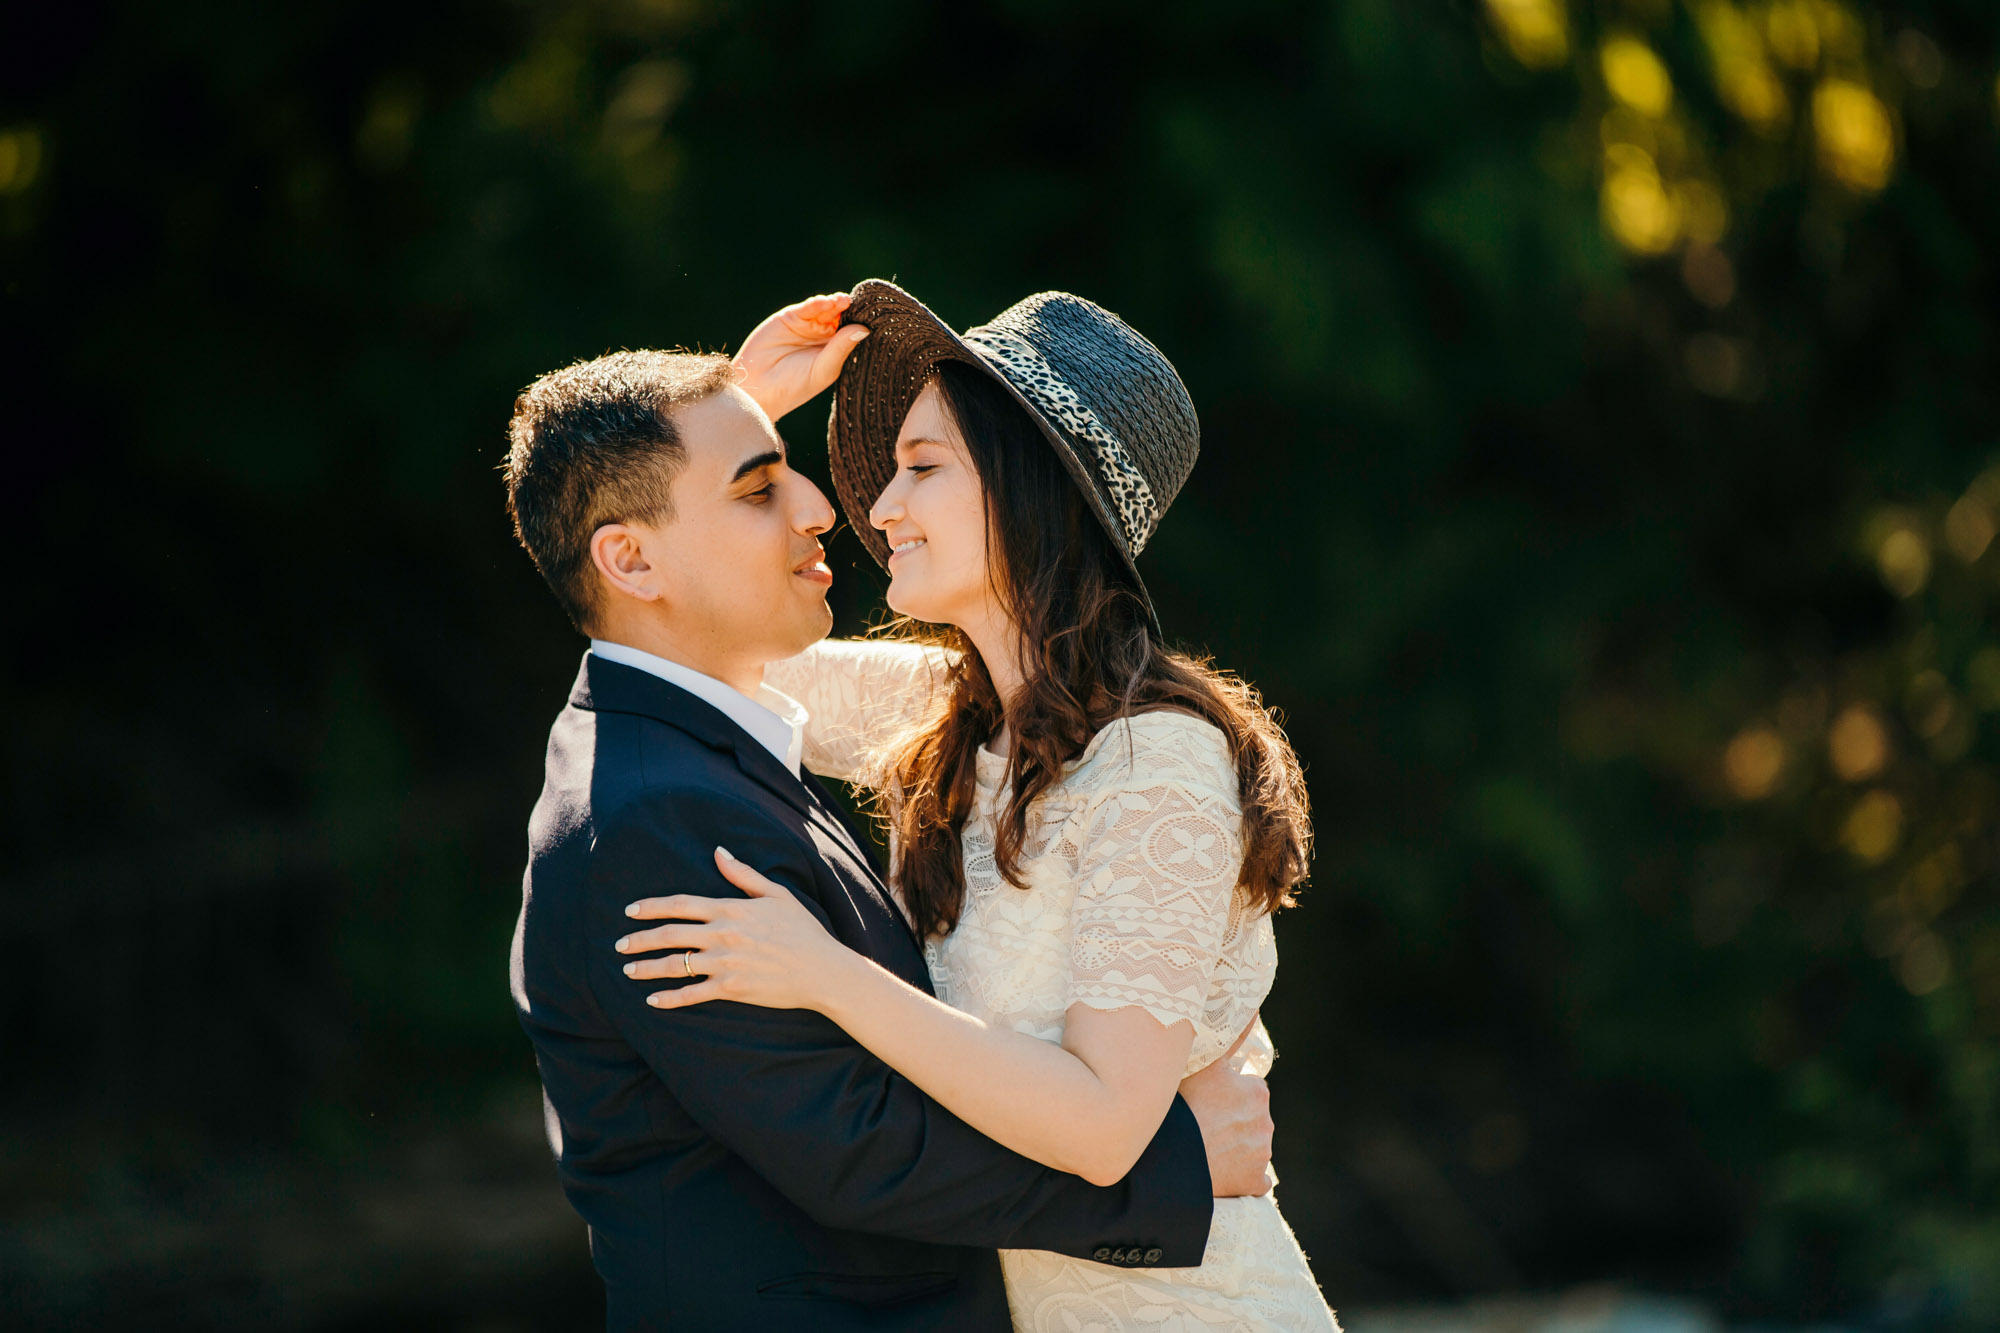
[(1599, 446)]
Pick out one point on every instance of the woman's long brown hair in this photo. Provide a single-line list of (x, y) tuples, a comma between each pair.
[(1088, 657)]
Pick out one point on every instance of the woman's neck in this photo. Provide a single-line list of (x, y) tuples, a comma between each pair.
[(996, 638)]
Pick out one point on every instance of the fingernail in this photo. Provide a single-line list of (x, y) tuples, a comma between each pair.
[(725, 853), (860, 332), (623, 944), (656, 1000), (631, 969), (631, 909)]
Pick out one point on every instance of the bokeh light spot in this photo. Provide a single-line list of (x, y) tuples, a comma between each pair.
[(20, 160), (1753, 762), (1857, 143), (1921, 61), (1635, 76), (1873, 827), (1792, 33), (1857, 743), (1969, 528), (1536, 31), (1638, 211), (1840, 33), (1904, 561), (1743, 73)]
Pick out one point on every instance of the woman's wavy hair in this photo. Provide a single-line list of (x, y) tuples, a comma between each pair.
[(1089, 656)]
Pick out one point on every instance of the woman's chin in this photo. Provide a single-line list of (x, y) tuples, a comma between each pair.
[(911, 602)]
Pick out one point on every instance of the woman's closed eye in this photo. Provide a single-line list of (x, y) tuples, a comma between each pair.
[(919, 469)]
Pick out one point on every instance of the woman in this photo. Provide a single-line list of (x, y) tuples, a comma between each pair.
[(1089, 830)]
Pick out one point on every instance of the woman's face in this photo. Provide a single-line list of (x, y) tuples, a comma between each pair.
[(933, 512)]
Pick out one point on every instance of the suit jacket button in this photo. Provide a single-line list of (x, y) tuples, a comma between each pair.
[(1102, 1254), (1155, 1254)]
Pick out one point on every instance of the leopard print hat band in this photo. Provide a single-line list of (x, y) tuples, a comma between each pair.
[(1025, 368), (1111, 405)]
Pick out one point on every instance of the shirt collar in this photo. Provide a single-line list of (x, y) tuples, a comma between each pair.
[(775, 721)]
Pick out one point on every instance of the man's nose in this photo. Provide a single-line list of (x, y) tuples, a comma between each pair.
[(814, 515)]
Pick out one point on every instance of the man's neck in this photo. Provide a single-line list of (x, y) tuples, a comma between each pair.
[(744, 676)]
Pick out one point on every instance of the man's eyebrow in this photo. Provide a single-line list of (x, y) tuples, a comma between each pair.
[(749, 465)]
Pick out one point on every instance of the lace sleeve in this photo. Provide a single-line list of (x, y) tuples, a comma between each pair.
[(859, 694), (1159, 857)]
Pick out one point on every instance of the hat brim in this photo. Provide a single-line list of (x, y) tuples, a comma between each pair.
[(883, 378)]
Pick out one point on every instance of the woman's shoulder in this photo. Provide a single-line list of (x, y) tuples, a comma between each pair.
[(1159, 745)]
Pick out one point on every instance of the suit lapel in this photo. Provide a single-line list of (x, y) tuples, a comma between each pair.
[(832, 813), (829, 812), (613, 687)]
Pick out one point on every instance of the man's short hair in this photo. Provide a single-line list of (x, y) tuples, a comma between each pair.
[(595, 443)]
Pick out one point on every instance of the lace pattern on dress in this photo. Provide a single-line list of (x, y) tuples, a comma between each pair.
[(1160, 863), (1131, 863)]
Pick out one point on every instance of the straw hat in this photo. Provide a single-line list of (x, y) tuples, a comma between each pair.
[(1108, 402)]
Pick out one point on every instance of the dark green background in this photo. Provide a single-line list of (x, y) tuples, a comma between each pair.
[(1476, 508)]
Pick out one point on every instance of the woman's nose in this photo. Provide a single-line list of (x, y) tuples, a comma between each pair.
[(886, 509)]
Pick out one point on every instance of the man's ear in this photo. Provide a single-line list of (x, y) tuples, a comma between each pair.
[(620, 556)]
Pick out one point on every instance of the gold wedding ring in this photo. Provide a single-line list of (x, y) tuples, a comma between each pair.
[(687, 968)]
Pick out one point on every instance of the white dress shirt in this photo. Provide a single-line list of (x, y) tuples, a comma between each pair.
[(775, 721)]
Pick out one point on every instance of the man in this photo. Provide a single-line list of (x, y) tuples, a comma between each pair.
[(745, 1168)]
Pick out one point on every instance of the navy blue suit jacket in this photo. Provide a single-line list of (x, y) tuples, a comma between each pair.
[(746, 1168)]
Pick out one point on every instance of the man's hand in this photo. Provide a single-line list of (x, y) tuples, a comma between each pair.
[(796, 352), (1234, 1112)]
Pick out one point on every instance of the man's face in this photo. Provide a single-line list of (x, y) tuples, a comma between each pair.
[(740, 566)]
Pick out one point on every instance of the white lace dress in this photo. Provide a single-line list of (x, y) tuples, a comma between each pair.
[(1131, 862)]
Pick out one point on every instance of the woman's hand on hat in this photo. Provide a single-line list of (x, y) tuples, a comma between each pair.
[(796, 352)]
